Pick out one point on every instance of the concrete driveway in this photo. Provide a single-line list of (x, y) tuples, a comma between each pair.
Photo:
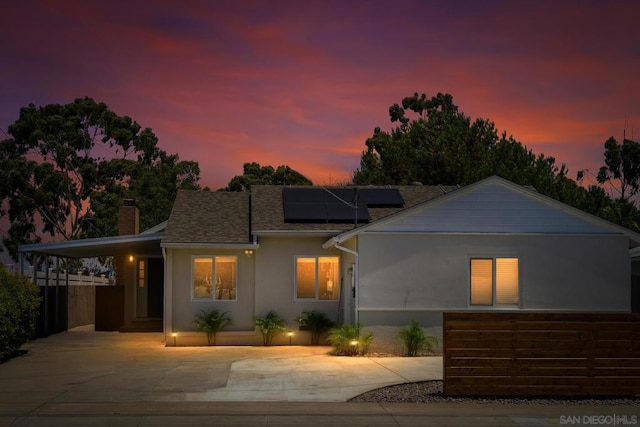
[(86, 366), (84, 378)]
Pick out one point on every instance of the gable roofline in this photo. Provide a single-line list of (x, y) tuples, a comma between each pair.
[(634, 238), (158, 228)]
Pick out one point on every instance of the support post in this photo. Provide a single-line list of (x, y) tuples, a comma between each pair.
[(57, 309)]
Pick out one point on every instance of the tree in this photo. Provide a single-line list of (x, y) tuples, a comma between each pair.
[(64, 169), (435, 143), (254, 174), (622, 164), (154, 188), (440, 145)]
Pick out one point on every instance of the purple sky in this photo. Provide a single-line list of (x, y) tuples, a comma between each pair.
[(304, 83)]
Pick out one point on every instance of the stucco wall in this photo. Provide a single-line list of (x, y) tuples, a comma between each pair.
[(265, 282), (405, 277), (418, 272), (184, 308), (275, 266)]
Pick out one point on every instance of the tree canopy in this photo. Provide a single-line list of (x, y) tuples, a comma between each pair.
[(621, 164), (254, 174), (65, 169), (435, 143)]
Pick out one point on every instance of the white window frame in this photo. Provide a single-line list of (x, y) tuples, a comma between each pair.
[(295, 279), (213, 273), (494, 304)]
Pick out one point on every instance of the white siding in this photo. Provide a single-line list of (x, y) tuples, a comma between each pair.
[(431, 272), (493, 208)]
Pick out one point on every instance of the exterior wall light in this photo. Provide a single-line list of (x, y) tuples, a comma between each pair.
[(248, 252), (130, 258)]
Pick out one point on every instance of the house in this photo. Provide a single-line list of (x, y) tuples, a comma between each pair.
[(382, 256), (376, 255)]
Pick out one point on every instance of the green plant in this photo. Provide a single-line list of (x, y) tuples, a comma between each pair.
[(211, 323), (316, 323), (19, 302), (349, 339), (415, 340), (269, 326)]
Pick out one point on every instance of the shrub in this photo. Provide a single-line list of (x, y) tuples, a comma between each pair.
[(350, 340), (316, 323), (211, 323), (270, 326), (415, 340), (19, 302)]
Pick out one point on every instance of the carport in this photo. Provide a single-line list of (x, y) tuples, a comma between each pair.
[(131, 302)]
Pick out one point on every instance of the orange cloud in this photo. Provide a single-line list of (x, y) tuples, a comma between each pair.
[(305, 83)]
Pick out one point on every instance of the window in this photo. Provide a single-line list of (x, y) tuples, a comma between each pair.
[(494, 281), (141, 271), (317, 278), (215, 278)]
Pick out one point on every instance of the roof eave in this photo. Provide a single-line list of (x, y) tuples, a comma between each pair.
[(200, 245), (296, 232), (101, 246)]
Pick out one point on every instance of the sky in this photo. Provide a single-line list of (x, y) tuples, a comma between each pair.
[(304, 83)]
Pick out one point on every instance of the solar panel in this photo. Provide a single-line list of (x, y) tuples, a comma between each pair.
[(333, 205), (381, 197), (303, 195), (305, 212), (339, 212)]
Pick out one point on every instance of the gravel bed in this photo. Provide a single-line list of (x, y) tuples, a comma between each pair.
[(431, 392)]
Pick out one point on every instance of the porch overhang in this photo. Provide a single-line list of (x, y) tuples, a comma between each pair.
[(147, 244)]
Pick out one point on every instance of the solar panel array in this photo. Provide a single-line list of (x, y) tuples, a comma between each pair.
[(340, 205)]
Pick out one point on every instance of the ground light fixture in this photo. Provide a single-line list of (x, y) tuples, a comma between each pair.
[(290, 336), (174, 335), (354, 344)]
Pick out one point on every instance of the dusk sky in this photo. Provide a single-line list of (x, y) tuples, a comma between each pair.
[(304, 83)]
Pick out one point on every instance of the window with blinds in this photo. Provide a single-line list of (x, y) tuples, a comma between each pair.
[(506, 281), (482, 282), (494, 281)]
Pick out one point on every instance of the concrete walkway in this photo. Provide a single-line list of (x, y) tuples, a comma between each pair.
[(87, 378)]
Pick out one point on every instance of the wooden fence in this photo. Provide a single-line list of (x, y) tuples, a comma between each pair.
[(541, 354), (63, 307)]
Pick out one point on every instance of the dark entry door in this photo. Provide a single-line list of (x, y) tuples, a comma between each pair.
[(155, 291)]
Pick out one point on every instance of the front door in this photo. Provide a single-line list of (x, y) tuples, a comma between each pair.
[(155, 288), (150, 288)]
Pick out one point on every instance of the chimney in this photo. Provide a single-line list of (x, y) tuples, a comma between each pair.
[(128, 218), (128, 223)]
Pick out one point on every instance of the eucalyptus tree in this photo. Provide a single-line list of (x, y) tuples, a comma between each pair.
[(65, 168)]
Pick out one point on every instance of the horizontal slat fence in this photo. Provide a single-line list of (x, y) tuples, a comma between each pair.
[(541, 354)]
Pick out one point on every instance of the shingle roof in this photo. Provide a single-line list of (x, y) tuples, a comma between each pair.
[(268, 214), (209, 217), (230, 217)]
